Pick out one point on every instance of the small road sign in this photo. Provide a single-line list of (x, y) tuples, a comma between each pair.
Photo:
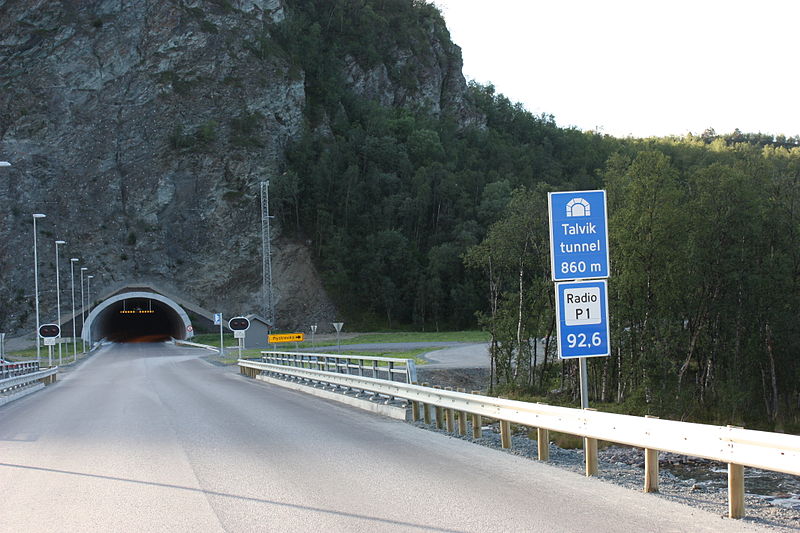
[(239, 323), (49, 330), (217, 319), (286, 337), (583, 327), (578, 235)]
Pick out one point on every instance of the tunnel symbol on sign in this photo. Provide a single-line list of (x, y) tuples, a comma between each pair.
[(578, 207)]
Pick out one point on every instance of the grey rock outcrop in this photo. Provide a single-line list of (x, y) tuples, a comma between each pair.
[(142, 129)]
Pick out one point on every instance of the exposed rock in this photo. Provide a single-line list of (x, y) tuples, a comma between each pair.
[(142, 129)]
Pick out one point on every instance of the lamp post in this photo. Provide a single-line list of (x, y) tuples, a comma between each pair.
[(88, 295), (83, 311), (36, 283), (58, 299), (89, 302), (72, 282)]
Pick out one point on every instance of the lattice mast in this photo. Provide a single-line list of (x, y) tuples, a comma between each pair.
[(268, 306)]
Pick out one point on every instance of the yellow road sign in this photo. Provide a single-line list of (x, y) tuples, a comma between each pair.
[(286, 337)]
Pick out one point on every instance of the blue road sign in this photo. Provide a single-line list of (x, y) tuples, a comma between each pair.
[(217, 319), (578, 235), (582, 310)]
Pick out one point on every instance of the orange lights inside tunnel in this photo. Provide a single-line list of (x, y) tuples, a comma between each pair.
[(139, 319)]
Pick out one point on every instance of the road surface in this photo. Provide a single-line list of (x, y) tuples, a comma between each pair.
[(150, 437), (443, 354)]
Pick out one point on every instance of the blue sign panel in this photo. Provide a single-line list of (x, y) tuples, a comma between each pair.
[(217, 319), (578, 235), (582, 310)]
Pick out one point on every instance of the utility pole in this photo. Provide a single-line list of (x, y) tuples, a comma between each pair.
[(268, 306)]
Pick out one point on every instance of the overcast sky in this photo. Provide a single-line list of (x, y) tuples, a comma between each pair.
[(638, 67)]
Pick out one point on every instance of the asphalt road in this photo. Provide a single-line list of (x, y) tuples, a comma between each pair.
[(443, 354), (153, 438)]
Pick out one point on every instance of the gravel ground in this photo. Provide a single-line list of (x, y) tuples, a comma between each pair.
[(707, 490)]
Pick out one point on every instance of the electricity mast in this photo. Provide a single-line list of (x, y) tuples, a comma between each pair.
[(268, 306)]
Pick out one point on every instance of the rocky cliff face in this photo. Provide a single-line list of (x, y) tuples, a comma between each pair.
[(142, 129)]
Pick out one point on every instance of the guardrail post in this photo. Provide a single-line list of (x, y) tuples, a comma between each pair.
[(426, 408), (462, 420), (414, 409), (477, 422), (439, 413), (590, 452), (543, 444), (735, 488), (449, 416), (505, 434), (650, 467), (735, 491)]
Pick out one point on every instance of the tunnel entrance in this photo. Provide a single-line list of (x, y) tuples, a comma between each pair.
[(137, 317)]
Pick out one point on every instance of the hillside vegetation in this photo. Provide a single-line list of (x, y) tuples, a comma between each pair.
[(419, 219)]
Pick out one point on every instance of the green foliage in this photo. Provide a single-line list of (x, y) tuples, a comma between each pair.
[(417, 221)]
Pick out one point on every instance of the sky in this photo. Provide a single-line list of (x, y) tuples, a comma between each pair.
[(638, 68)]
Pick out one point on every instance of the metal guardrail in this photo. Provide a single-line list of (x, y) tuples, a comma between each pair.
[(9, 385), (736, 446), (374, 367), (9, 370)]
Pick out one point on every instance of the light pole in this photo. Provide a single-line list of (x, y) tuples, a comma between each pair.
[(88, 295), (58, 299), (83, 310), (36, 283), (72, 282)]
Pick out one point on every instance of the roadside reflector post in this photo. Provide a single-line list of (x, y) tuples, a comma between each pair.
[(505, 434), (543, 444), (650, 467), (477, 422)]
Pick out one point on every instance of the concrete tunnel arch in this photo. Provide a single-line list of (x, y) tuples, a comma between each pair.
[(164, 319)]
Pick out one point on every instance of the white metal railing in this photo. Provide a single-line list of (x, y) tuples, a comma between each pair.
[(9, 385), (8, 370), (736, 446), (389, 368)]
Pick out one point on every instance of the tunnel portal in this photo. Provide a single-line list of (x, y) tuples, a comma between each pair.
[(137, 317)]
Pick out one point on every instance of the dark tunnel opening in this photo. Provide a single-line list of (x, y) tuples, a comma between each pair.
[(138, 320)]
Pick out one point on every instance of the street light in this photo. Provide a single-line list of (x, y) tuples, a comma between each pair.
[(88, 295), (83, 309), (5, 164), (36, 282), (72, 282), (58, 299)]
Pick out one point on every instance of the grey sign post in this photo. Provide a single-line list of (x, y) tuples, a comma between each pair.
[(218, 320), (338, 326)]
